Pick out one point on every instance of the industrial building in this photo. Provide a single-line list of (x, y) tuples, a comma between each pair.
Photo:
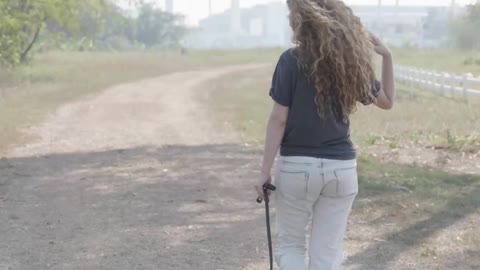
[(401, 26), (259, 26), (267, 26)]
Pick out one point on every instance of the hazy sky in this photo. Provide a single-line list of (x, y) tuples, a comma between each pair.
[(198, 9)]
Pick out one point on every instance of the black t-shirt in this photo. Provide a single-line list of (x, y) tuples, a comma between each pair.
[(308, 134)]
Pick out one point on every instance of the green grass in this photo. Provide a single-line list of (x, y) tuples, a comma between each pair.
[(452, 61), (419, 116), (31, 92), (419, 202)]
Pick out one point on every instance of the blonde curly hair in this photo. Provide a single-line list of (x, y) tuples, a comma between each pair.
[(335, 52)]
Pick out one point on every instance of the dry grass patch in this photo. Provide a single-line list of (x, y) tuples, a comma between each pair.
[(30, 92)]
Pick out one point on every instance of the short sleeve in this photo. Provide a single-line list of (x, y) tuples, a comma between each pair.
[(376, 87), (283, 81)]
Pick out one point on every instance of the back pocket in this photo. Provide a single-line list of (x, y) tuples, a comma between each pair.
[(344, 184), (292, 184)]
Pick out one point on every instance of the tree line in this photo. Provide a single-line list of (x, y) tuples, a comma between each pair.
[(465, 31), (27, 26)]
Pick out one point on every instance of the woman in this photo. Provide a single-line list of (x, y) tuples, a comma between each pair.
[(316, 87)]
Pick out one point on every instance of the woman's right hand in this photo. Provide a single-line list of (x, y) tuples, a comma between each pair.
[(386, 97), (263, 179), (380, 47)]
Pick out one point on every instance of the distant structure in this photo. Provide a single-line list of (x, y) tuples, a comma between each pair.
[(379, 10), (397, 6), (453, 12), (402, 26), (260, 26), (169, 6), (268, 26), (210, 8), (235, 16)]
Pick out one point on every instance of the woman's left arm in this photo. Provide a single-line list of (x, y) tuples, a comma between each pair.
[(386, 97), (275, 131)]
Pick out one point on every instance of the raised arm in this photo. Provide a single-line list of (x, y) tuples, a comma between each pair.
[(386, 97)]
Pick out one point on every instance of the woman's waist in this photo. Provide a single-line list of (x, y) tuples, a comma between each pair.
[(344, 151), (323, 162)]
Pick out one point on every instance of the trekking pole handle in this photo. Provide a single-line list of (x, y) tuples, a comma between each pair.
[(266, 187)]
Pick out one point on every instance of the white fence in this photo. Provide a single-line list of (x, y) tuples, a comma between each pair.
[(440, 82)]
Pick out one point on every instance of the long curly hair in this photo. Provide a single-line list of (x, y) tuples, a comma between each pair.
[(335, 52)]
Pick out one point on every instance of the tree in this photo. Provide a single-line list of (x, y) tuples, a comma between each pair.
[(118, 29), (22, 21), (464, 31), (155, 27), (9, 38), (78, 25)]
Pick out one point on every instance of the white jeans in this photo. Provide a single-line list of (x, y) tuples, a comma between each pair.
[(316, 193)]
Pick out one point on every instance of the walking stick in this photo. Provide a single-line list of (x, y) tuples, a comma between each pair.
[(266, 188)]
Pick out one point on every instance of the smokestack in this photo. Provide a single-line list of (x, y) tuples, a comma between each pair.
[(236, 4), (379, 8), (453, 9), (235, 19), (169, 6), (379, 11), (397, 7), (210, 11), (379, 18)]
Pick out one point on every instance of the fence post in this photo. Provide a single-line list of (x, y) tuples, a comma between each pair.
[(432, 81), (443, 82), (411, 77), (453, 84), (420, 78), (427, 77), (465, 85), (399, 73), (436, 82), (411, 73)]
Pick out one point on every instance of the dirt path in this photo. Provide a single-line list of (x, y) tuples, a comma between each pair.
[(134, 178)]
